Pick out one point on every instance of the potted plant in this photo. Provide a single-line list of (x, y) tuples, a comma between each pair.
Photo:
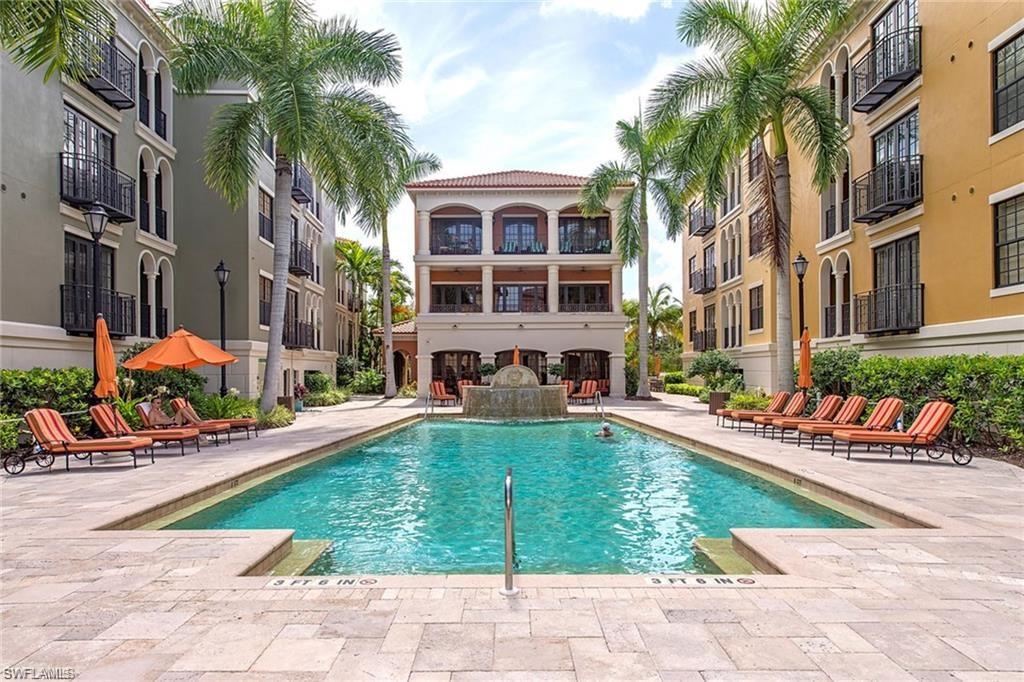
[(487, 370), (300, 392), (557, 370)]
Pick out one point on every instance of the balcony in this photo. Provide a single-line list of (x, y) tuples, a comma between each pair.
[(456, 308), (584, 307), (888, 188), (702, 221), (513, 247), (266, 228), (706, 339), (447, 244), (895, 309), (894, 62), (703, 281), (76, 313), (112, 76), (585, 243), (86, 180), (830, 321), (298, 334), (300, 261), (302, 184), (161, 222)]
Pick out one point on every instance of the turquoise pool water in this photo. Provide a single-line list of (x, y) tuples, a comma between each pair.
[(428, 499)]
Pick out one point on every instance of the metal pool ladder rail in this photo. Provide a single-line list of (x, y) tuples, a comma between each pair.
[(509, 589), (428, 408), (599, 405)]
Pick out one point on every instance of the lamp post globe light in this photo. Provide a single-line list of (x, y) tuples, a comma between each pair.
[(96, 220), (222, 273), (800, 267)]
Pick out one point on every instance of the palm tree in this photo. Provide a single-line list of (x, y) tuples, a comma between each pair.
[(302, 74), (62, 35), (640, 173), (360, 266), (751, 89), (373, 205), (664, 312)]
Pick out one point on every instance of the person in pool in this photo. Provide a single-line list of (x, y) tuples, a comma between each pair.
[(606, 431)]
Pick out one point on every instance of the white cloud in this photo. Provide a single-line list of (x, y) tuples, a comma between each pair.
[(619, 9)]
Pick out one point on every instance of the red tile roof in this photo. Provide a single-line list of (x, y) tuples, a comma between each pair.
[(502, 179), (405, 327)]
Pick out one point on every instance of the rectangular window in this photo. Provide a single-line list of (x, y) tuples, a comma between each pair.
[(266, 216), (266, 293), (896, 263), (691, 267), (709, 258), (757, 308), (456, 298), (584, 235), (709, 317), (900, 16), (78, 262), (898, 141), (1008, 70), (84, 137), (755, 159), (520, 298), (455, 236), (693, 325), (519, 235), (583, 298), (1010, 242)]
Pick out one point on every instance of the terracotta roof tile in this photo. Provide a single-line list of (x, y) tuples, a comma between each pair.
[(404, 327), (512, 178)]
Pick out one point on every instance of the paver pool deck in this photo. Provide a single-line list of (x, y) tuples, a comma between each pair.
[(943, 600)]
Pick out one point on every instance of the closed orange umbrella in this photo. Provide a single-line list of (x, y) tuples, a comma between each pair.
[(182, 349), (106, 367), (515, 355), (804, 379)]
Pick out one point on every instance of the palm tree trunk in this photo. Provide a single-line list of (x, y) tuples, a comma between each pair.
[(644, 386), (282, 252), (783, 296), (390, 390)]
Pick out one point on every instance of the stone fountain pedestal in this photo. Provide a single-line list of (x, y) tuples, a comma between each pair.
[(515, 393)]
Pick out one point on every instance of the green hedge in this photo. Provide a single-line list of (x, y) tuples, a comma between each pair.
[(674, 378), (748, 401), (333, 396), (683, 389), (317, 382), (367, 381)]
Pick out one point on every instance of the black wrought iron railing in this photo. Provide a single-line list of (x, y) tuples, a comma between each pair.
[(76, 310), (888, 188), (145, 326), (161, 222), (161, 322), (85, 180), (830, 222), (893, 62), (298, 334), (703, 281), (844, 110), (456, 308), (266, 227), (443, 243), (702, 221), (302, 184), (143, 108), (584, 307), (732, 337), (889, 310), (572, 241), (843, 326), (300, 261), (705, 339), (111, 75), (144, 215), (161, 124)]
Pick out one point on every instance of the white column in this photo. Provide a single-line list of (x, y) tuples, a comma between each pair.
[(617, 367), (423, 233), (423, 371), (151, 301), (552, 288), (487, 287), (487, 236), (840, 276), (151, 92), (553, 245), (617, 288), (424, 289), (151, 189), (613, 226)]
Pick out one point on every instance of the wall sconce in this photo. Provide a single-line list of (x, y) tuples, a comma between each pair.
[(455, 326), (521, 325)]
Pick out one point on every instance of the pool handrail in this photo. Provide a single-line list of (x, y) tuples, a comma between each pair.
[(599, 405), (428, 406), (509, 589)]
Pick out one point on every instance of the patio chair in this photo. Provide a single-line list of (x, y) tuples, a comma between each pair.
[(439, 393), (207, 428), (923, 434), (604, 386), (458, 388), (237, 423), (570, 386), (55, 438), (588, 391), (775, 406), (848, 415), (537, 247), (794, 408), (882, 418), (826, 410), (112, 425)]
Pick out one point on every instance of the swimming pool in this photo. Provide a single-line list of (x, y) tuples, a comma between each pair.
[(428, 499)]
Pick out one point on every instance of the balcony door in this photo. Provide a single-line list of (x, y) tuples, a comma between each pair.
[(78, 263), (900, 16), (82, 136), (291, 309), (896, 274), (898, 141), (518, 234)]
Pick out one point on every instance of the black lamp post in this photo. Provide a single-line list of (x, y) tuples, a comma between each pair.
[(222, 279), (800, 266), (96, 219)]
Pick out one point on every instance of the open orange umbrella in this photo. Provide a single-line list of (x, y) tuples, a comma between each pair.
[(182, 349), (106, 367), (803, 381)]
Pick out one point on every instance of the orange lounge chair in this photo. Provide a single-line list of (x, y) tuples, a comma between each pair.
[(205, 428), (112, 425), (849, 415), (775, 406), (588, 390), (826, 410), (53, 436), (458, 387), (570, 386), (794, 408), (604, 386), (236, 423), (923, 434), (439, 393), (882, 418)]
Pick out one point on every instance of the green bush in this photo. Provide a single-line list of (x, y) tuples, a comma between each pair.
[(334, 396), (632, 380), (556, 369), (748, 401), (318, 382), (675, 378), (179, 383), (408, 391), (64, 390), (705, 395), (487, 369), (9, 431), (278, 416), (832, 370), (368, 381), (126, 406), (716, 368), (683, 389), (344, 370), (213, 406)]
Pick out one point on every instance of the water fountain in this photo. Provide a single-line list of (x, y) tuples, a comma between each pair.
[(514, 393)]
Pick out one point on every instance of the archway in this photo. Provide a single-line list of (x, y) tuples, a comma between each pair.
[(451, 366), (588, 364), (401, 369), (536, 360)]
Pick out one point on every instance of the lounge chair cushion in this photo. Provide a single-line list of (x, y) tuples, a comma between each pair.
[(53, 435)]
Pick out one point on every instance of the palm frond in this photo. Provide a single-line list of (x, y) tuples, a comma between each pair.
[(64, 36), (627, 230), (343, 53), (726, 25), (214, 42), (232, 148), (693, 85), (599, 187), (811, 116), (668, 200)]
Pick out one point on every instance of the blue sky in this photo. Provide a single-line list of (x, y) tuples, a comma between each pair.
[(539, 85)]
